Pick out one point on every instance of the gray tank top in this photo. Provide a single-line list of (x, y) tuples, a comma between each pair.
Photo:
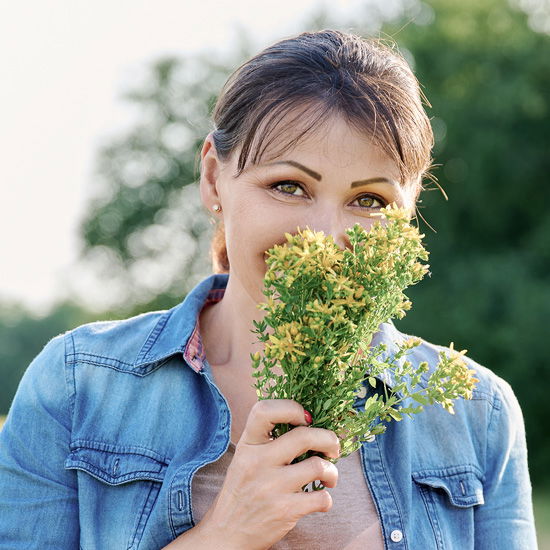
[(351, 524)]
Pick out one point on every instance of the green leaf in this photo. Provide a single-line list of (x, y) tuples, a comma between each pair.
[(378, 429), (396, 415), (420, 398)]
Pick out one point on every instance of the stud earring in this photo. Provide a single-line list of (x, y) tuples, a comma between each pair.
[(217, 208)]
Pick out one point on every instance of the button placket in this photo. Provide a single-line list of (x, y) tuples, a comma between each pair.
[(383, 496)]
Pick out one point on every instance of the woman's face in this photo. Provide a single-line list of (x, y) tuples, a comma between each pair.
[(329, 181)]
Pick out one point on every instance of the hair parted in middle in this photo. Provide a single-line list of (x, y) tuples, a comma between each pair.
[(305, 80)]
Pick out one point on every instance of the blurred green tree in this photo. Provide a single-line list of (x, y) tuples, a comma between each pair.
[(146, 234)]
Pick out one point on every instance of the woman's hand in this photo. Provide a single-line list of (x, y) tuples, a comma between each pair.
[(261, 498)]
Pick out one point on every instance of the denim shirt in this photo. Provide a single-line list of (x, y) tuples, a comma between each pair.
[(112, 419)]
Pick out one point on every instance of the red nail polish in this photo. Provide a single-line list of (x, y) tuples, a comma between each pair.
[(307, 416)]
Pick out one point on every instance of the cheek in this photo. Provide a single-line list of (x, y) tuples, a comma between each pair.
[(247, 238), (351, 219), (258, 227), (254, 223)]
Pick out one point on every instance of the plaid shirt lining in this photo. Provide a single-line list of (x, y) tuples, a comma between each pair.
[(194, 350)]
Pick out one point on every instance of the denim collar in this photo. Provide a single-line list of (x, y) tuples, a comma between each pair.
[(174, 328)]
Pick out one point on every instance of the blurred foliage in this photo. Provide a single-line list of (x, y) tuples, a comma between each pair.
[(487, 77), (486, 74), (541, 504), (146, 234)]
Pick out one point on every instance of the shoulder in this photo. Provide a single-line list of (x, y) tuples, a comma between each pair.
[(43, 384), (490, 387), (492, 419), (50, 379), (118, 343), (483, 433), (111, 355), (119, 384)]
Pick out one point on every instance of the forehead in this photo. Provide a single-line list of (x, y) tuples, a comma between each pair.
[(311, 133), (331, 143)]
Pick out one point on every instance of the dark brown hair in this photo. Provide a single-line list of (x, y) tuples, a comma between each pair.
[(311, 77)]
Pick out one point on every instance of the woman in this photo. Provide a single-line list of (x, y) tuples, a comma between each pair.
[(146, 433)]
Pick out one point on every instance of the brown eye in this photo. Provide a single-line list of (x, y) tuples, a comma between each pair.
[(288, 188), (370, 201)]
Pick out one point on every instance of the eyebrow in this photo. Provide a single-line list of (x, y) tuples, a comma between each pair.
[(373, 180), (318, 177), (305, 169)]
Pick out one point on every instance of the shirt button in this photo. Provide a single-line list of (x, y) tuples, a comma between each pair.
[(396, 535)]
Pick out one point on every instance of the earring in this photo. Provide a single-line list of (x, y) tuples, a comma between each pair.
[(217, 208)]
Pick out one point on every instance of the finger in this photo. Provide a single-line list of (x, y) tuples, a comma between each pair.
[(312, 469), (308, 503), (265, 414), (299, 440)]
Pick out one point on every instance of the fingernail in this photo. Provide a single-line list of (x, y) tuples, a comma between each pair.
[(307, 416)]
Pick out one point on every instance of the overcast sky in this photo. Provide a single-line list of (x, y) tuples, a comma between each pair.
[(64, 65)]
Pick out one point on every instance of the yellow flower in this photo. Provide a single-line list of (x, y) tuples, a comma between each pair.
[(318, 307), (349, 301)]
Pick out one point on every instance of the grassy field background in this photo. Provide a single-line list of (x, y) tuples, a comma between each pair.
[(541, 502)]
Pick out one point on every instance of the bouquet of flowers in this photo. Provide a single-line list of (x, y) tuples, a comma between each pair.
[(323, 306)]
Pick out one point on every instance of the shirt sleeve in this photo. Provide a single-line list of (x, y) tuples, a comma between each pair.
[(505, 521), (38, 497)]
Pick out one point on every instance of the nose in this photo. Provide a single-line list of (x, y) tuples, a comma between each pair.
[(331, 223)]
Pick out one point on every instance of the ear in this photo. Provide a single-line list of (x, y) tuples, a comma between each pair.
[(210, 171)]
